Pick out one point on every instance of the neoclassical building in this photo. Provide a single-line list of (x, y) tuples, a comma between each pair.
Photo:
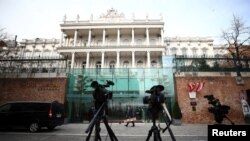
[(189, 46), (112, 41), (133, 53)]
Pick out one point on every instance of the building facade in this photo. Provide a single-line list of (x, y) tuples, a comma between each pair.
[(133, 53)]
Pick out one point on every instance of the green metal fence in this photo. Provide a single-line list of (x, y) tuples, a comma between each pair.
[(129, 89), (205, 64)]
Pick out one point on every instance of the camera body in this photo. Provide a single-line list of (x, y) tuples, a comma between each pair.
[(155, 100), (218, 110), (101, 94), (156, 97)]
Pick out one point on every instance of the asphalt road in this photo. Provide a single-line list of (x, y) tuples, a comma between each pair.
[(51, 137), (75, 132)]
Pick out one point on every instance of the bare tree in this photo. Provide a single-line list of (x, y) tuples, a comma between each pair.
[(238, 39), (3, 37)]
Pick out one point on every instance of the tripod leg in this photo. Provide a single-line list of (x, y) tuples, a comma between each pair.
[(171, 134), (87, 139), (149, 134), (110, 132), (97, 131), (157, 133)]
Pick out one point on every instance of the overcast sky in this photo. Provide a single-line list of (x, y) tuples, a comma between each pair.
[(29, 19)]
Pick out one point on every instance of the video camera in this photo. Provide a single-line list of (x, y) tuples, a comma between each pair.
[(156, 97), (218, 110), (102, 93)]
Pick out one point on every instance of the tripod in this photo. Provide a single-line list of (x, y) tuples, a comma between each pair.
[(154, 129), (100, 114), (219, 118)]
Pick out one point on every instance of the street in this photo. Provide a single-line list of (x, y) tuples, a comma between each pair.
[(76, 132)]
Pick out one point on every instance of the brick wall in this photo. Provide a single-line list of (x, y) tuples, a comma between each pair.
[(223, 88), (32, 89)]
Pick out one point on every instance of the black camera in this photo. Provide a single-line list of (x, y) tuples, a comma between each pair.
[(101, 94), (218, 110), (156, 97)]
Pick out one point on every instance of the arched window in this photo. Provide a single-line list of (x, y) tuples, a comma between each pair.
[(173, 51), (125, 64), (184, 51), (204, 51), (139, 64), (194, 51), (153, 42), (98, 43), (112, 42), (112, 64), (153, 64), (84, 64), (98, 64), (139, 42), (125, 42)]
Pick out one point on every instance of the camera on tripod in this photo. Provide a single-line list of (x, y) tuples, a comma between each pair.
[(157, 106), (217, 107), (101, 96), (219, 111), (102, 93), (156, 97)]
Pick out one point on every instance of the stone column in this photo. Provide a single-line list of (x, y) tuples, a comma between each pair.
[(147, 36), (102, 65), (72, 60), (133, 37), (118, 37), (87, 60), (103, 37), (75, 37), (43, 46), (148, 59), (162, 37), (65, 40), (117, 59), (61, 41), (89, 39), (163, 53), (133, 59)]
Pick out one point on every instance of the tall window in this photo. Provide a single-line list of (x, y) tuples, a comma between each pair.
[(112, 64), (125, 42), (98, 43), (139, 42), (184, 51), (194, 51), (84, 64), (125, 64), (204, 51), (112, 42), (139, 64), (153, 42), (173, 51), (153, 64), (98, 64)]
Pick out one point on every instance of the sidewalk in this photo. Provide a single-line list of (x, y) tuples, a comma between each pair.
[(140, 129)]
